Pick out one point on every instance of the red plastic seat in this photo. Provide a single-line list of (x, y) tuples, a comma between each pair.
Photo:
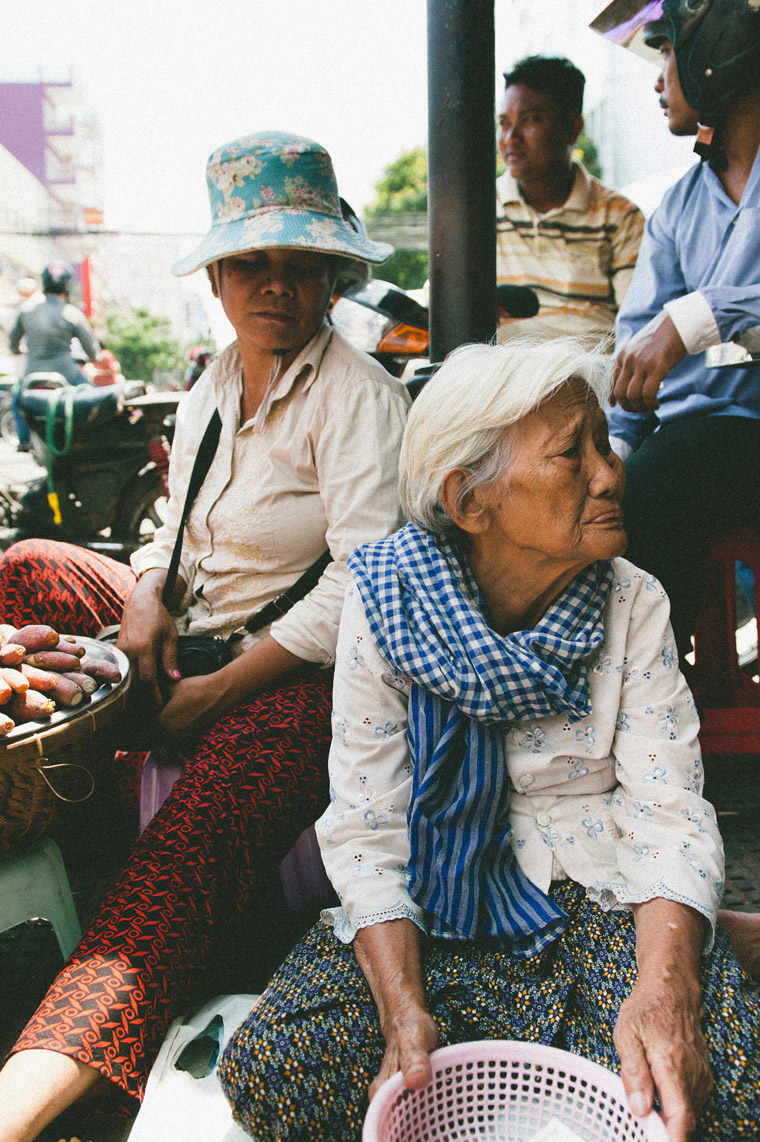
[(728, 698)]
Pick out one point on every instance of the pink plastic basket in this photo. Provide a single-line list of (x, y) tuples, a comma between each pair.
[(505, 1091)]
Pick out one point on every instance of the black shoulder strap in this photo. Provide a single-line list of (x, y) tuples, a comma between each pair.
[(206, 452), (277, 607)]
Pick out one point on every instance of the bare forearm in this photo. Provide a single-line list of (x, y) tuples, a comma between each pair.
[(669, 938), (251, 671), (658, 1033), (390, 955)]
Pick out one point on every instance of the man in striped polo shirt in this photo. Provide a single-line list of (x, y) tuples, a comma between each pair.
[(559, 230)]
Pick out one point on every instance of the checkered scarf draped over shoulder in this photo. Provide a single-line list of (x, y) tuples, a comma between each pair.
[(426, 615), (425, 612)]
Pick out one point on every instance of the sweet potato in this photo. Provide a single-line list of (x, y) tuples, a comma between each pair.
[(65, 692), (100, 669), (37, 637), (6, 724), (53, 660), (7, 633), (30, 706), (15, 679), (5, 691), (11, 654), (84, 681), (69, 645), (38, 679)]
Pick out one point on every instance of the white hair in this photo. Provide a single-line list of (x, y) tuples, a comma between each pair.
[(460, 417)]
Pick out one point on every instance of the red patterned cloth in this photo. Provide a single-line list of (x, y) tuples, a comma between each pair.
[(70, 588), (257, 779)]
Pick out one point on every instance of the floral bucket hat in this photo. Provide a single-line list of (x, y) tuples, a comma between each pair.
[(276, 189)]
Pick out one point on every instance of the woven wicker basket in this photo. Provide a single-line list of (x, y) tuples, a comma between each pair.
[(41, 763)]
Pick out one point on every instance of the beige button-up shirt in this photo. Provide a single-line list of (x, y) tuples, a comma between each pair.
[(315, 468)]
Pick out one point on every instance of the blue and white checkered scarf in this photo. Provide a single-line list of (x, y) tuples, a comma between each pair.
[(426, 614)]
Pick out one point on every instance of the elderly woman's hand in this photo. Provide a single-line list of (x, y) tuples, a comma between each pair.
[(410, 1036), (658, 1034), (390, 955)]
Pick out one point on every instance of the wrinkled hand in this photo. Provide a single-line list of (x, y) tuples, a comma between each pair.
[(409, 1041), (661, 1046), (643, 363)]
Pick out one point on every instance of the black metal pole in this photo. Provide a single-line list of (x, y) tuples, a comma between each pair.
[(461, 173)]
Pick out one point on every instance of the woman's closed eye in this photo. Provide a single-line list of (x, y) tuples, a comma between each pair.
[(573, 451)]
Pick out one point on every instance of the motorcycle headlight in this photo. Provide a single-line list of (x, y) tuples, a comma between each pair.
[(363, 327)]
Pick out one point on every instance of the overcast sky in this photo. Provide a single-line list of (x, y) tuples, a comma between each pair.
[(170, 80)]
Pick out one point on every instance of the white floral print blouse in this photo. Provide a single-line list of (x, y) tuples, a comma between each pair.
[(613, 802)]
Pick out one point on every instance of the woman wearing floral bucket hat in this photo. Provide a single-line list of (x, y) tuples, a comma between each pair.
[(306, 461)]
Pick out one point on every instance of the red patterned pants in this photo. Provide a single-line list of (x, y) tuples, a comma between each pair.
[(68, 587), (257, 779)]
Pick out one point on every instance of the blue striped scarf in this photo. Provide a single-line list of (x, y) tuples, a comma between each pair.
[(426, 614)]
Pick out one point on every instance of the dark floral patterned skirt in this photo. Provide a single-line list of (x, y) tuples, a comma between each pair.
[(299, 1068)]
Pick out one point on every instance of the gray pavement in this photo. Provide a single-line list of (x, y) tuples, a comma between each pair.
[(17, 467)]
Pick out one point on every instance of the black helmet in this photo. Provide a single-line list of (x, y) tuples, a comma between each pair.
[(655, 33), (57, 277), (717, 49), (716, 44)]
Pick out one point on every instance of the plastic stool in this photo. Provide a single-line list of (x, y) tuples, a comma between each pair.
[(728, 698), (156, 781), (302, 873), (33, 883)]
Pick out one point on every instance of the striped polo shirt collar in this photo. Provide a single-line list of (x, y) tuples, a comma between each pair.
[(508, 191)]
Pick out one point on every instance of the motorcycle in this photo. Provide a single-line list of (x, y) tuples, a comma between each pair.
[(392, 326), (8, 432), (106, 455)]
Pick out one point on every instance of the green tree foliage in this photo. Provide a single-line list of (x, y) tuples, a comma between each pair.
[(144, 345), (405, 268), (403, 187), (586, 152), (403, 190)]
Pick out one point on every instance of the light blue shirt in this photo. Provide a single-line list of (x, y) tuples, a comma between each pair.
[(698, 242)]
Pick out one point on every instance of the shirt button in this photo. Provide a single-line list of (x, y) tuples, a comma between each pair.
[(543, 820), (526, 780)]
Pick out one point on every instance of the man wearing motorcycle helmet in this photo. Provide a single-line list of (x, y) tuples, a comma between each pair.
[(49, 327), (696, 284)]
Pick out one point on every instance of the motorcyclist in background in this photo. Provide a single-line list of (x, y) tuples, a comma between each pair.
[(199, 357), (48, 329)]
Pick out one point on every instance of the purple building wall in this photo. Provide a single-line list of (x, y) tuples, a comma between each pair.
[(22, 127)]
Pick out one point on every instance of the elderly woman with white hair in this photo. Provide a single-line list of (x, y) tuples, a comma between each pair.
[(517, 833)]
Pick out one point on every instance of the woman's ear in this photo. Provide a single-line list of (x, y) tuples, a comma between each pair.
[(468, 509), (212, 271)]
